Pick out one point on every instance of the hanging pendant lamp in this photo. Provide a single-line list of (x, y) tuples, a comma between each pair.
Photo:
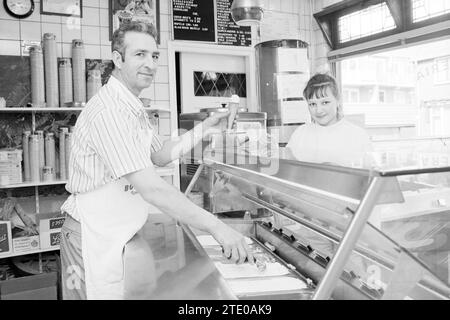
[(247, 12)]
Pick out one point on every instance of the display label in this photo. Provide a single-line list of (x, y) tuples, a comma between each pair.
[(56, 223), (4, 238)]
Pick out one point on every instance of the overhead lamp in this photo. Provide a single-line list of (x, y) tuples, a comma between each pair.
[(247, 12)]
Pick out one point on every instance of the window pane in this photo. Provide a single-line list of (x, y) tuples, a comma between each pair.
[(426, 9), (363, 23), (218, 84), (402, 95)]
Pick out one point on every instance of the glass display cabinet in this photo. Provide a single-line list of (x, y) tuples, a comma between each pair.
[(328, 232)]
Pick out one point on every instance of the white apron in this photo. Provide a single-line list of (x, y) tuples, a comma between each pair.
[(118, 263)]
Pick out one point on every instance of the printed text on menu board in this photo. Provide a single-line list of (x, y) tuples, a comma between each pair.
[(193, 20), (228, 32)]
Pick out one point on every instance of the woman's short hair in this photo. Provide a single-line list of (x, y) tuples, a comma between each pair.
[(317, 87), (132, 26)]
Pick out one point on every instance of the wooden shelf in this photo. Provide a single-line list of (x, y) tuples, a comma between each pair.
[(39, 109), (32, 184), (153, 108), (16, 254)]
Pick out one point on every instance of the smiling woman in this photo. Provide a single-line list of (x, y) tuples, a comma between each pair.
[(329, 138)]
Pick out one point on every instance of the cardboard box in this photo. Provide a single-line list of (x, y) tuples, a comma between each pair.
[(26, 244), (35, 287), (50, 229), (5, 238)]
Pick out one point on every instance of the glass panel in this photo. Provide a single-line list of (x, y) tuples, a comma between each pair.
[(403, 250), (420, 224), (404, 104), (363, 23), (219, 84), (426, 9)]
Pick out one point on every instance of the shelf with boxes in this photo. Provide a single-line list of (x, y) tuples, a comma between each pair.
[(25, 214), (33, 171)]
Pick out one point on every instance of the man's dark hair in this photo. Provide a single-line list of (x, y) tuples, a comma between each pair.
[(132, 26)]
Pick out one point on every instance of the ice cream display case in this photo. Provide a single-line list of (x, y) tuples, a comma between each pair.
[(327, 232)]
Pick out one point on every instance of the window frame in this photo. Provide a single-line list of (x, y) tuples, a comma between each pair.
[(401, 11)]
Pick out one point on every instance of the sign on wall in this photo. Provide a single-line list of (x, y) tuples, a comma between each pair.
[(228, 32), (194, 20), (121, 11), (207, 21)]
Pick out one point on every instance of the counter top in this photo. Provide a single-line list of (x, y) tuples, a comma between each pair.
[(182, 269)]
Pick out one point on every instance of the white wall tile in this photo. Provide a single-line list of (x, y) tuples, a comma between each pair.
[(4, 14), (67, 50), (54, 28), (287, 5), (104, 36), (30, 30), (162, 75), (275, 5), (90, 35), (50, 18), (164, 37), (92, 51), (164, 22), (10, 47), (59, 46), (103, 3), (162, 103), (161, 91), (164, 127), (71, 22), (163, 57), (104, 18), (91, 3), (9, 30), (91, 16), (164, 7), (266, 4), (297, 6), (70, 32), (105, 52)]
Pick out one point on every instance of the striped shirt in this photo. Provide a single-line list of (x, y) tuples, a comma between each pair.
[(112, 137)]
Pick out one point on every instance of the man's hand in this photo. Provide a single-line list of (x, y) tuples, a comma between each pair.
[(233, 243), (212, 124)]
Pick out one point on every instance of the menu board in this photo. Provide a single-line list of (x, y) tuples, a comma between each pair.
[(228, 32), (194, 20)]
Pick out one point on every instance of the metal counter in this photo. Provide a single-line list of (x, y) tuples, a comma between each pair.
[(182, 269)]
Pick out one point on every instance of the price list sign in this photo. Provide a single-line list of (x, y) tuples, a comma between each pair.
[(228, 32), (194, 20)]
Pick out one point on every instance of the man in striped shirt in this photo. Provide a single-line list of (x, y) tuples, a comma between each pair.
[(112, 148)]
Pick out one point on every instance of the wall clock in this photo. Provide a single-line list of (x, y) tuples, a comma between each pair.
[(19, 8)]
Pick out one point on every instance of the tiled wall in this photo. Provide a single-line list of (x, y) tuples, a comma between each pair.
[(296, 14), (93, 28), (321, 47)]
